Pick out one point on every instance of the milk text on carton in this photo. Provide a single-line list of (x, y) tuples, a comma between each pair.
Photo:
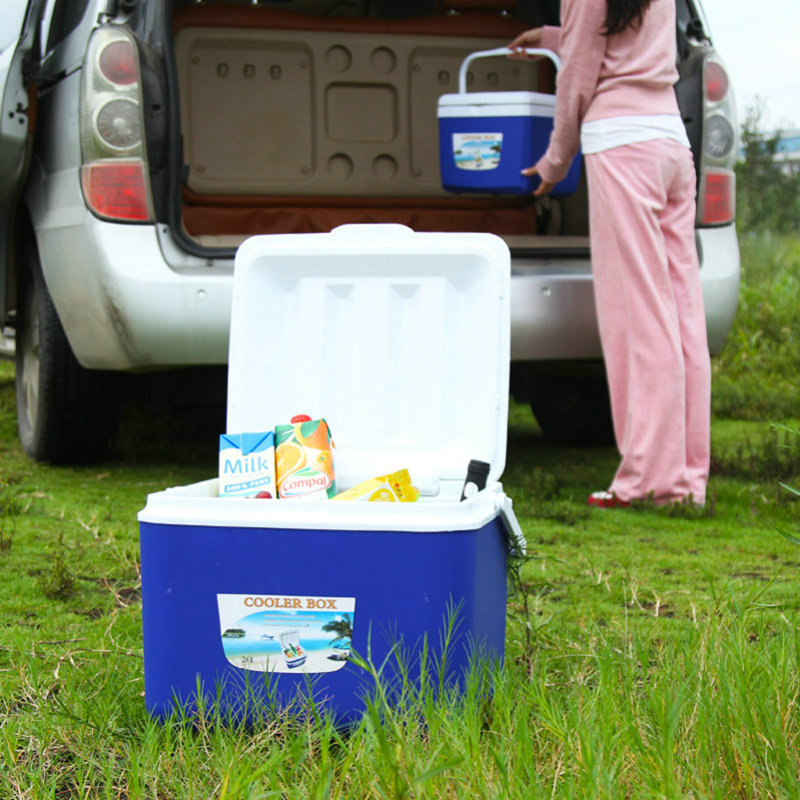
[(247, 465)]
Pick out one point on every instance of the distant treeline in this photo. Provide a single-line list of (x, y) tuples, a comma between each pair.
[(768, 199)]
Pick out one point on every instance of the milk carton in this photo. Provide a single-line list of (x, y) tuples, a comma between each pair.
[(247, 465)]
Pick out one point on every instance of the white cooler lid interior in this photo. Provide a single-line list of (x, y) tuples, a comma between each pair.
[(400, 340)]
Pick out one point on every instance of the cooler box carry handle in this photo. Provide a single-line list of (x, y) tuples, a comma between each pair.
[(515, 537), (501, 51)]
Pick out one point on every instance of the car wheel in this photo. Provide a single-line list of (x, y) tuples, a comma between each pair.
[(65, 413), (573, 410)]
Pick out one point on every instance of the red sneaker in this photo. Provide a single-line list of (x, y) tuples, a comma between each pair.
[(606, 500)]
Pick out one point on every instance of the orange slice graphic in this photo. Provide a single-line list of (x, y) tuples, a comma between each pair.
[(289, 458), (324, 462)]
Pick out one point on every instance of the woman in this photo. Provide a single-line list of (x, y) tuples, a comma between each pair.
[(616, 101)]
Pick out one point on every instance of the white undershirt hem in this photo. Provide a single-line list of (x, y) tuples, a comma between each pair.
[(605, 134)]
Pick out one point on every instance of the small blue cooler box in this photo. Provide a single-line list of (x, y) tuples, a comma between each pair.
[(400, 340), (487, 138)]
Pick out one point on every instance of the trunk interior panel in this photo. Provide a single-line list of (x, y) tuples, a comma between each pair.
[(297, 122)]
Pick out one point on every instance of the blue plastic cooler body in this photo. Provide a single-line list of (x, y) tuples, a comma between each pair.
[(524, 141), (251, 606), (405, 584)]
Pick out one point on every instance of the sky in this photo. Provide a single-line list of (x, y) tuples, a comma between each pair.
[(759, 41)]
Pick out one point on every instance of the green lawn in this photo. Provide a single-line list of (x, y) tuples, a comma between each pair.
[(650, 652)]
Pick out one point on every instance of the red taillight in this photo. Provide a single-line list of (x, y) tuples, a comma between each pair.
[(117, 62), (718, 197), (116, 190), (716, 82)]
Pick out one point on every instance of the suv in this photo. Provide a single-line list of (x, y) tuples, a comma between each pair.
[(144, 140)]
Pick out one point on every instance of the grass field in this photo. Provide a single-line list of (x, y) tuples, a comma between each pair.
[(651, 653)]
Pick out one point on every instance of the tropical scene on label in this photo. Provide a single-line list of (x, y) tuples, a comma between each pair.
[(477, 150), (281, 640)]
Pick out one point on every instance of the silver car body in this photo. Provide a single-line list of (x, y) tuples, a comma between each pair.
[(130, 297)]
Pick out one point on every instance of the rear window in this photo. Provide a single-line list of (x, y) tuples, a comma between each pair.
[(66, 16), (11, 22)]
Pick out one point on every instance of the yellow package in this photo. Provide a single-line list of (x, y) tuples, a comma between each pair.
[(393, 488)]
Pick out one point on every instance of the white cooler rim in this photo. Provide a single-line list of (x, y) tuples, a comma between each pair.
[(198, 505), (532, 99), (472, 111)]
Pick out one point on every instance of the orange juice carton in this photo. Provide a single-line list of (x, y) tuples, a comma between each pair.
[(393, 488), (247, 465), (304, 460)]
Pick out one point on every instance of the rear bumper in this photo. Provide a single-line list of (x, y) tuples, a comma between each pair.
[(553, 315), (123, 307), (129, 299)]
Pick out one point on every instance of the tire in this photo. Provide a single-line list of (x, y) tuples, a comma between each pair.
[(573, 410), (65, 413)]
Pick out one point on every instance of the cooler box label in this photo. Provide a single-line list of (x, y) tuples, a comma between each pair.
[(477, 151), (286, 633)]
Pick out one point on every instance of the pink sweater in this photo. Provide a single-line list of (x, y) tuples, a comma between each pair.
[(630, 73)]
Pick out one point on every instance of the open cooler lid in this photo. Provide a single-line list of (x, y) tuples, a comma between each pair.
[(400, 340)]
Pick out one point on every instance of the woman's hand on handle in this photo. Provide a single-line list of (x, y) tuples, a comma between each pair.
[(530, 38)]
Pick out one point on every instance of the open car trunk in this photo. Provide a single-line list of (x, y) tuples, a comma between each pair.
[(299, 121)]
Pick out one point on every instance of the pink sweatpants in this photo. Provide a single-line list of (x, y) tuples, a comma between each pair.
[(651, 318)]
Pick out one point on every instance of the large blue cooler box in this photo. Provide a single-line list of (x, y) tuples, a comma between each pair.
[(401, 341), (487, 138)]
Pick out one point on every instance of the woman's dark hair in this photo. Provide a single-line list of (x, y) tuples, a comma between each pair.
[(623, 13)]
